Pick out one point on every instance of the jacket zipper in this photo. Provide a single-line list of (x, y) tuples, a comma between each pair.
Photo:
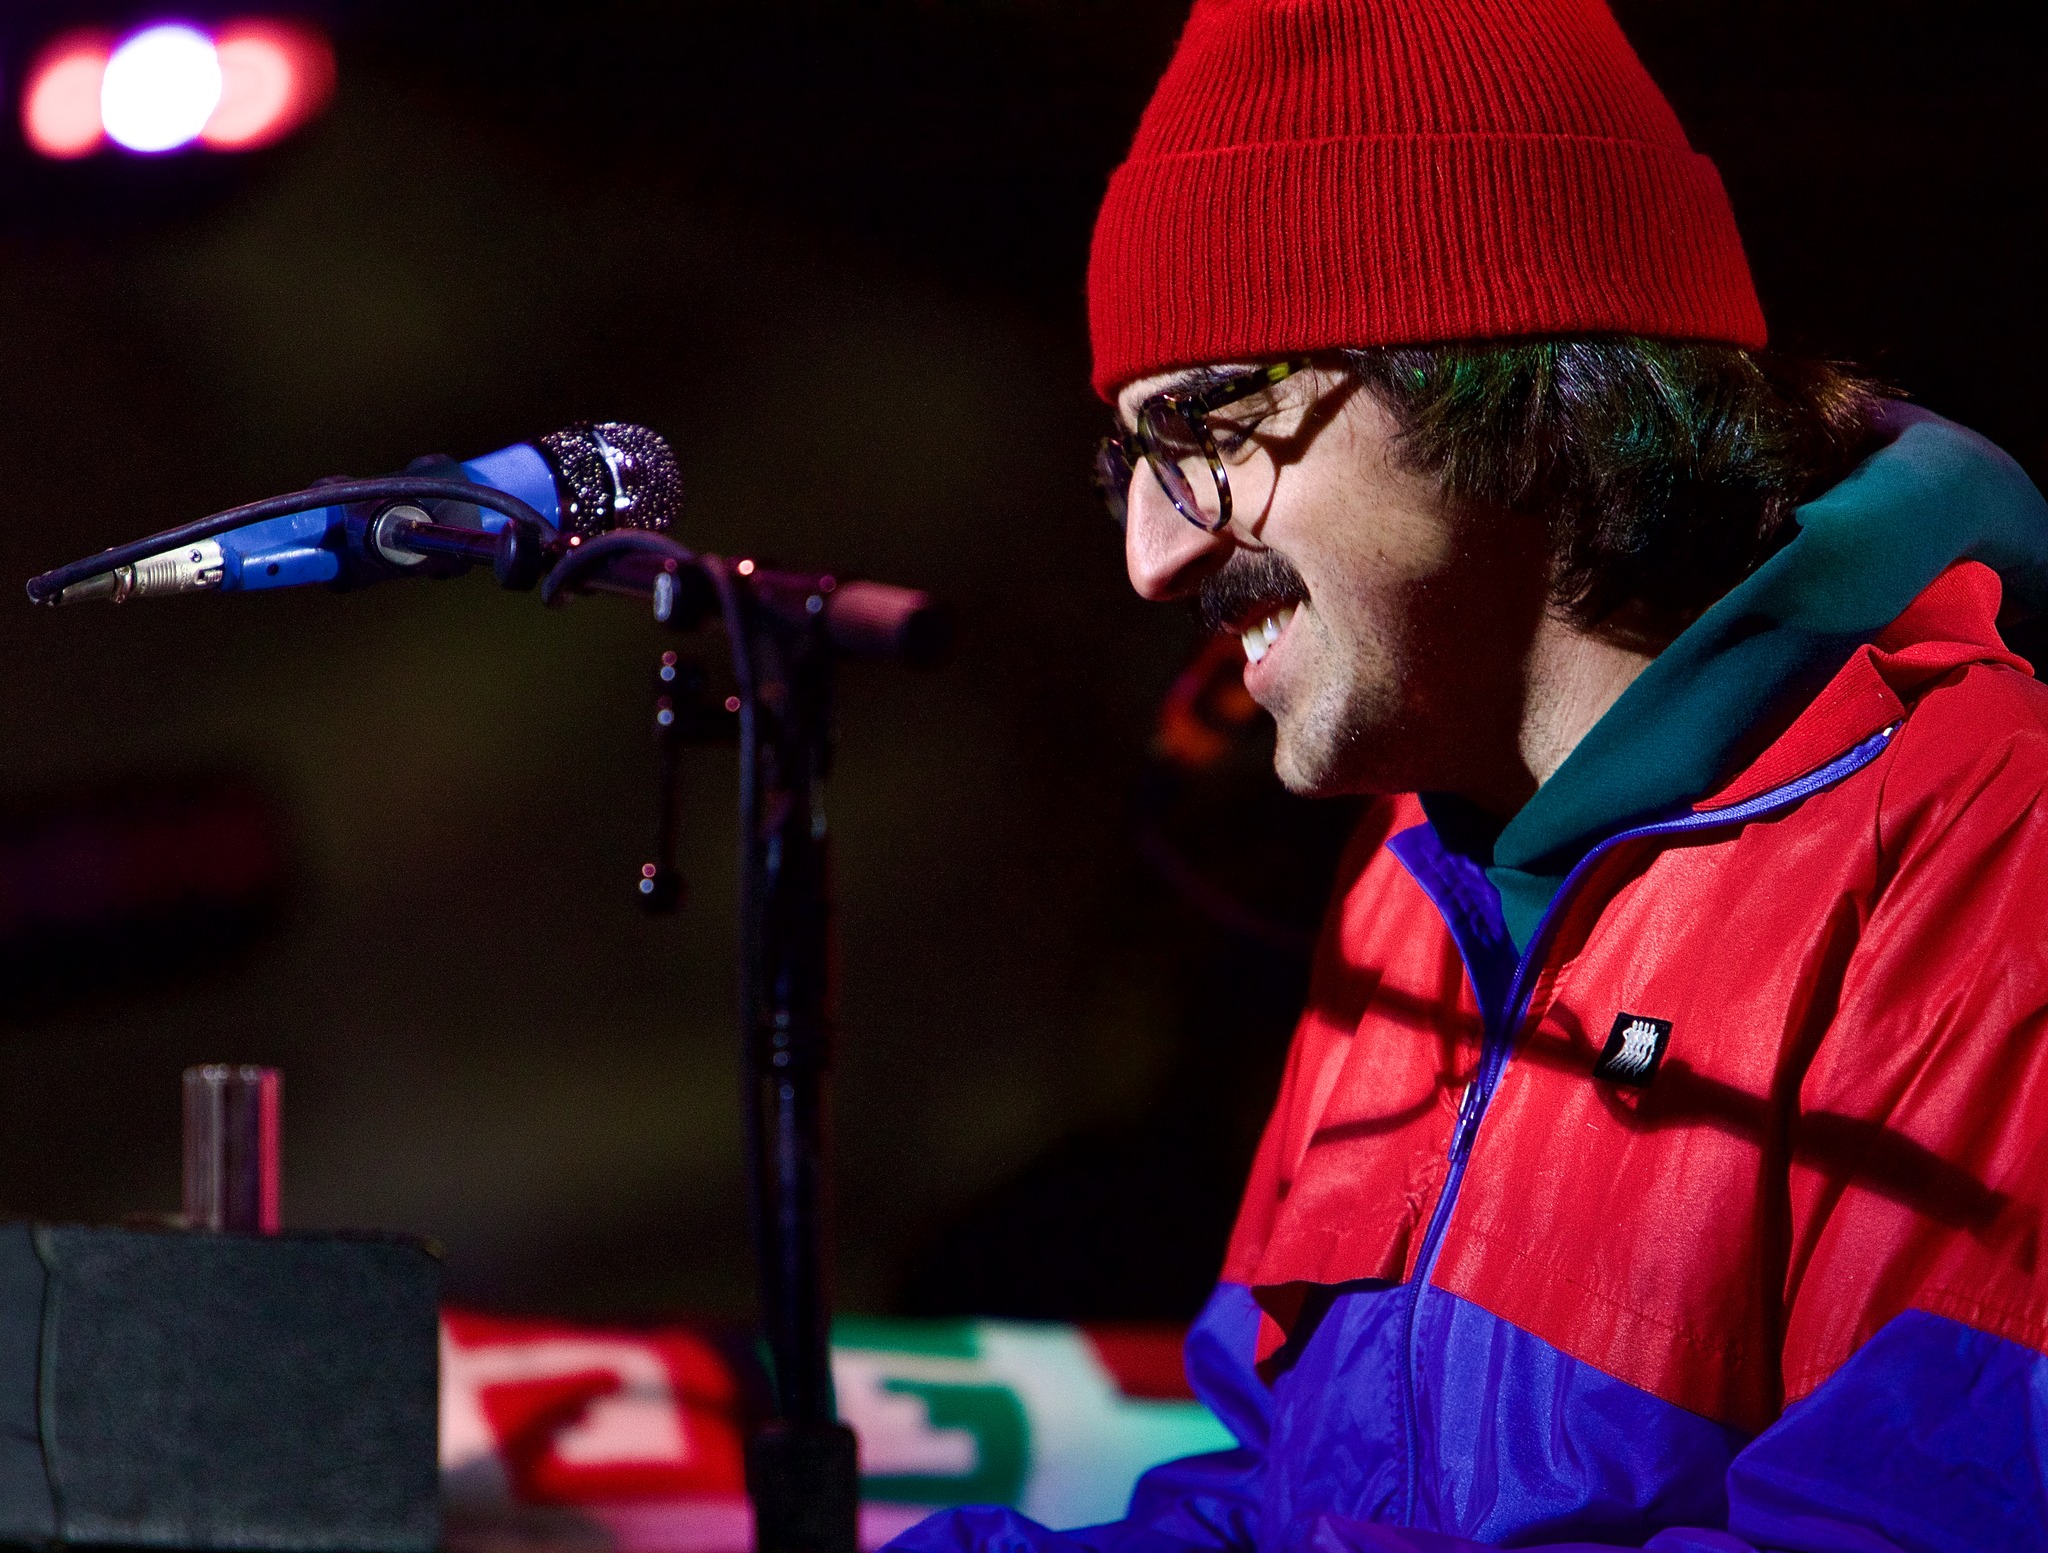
[(1497, 1040)]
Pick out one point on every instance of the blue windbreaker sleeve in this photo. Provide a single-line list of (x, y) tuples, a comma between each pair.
[(1933, 1438)]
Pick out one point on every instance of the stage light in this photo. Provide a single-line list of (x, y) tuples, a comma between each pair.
[(160, 88), (274, 76), (60, 105), (246, 84)]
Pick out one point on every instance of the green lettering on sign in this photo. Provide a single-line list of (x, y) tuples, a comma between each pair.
[(994, 1416)]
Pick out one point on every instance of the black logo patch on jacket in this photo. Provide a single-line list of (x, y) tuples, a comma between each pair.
[(1634, 1048)]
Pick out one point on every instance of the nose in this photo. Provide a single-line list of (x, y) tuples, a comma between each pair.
[(1166, 555)]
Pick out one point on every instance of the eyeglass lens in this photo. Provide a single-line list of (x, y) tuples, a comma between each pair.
[(1176, 451)]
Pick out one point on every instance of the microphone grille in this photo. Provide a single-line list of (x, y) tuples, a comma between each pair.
[(613, 474)]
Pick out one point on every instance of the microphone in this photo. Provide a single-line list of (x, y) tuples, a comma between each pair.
[(589, 506), (584, 480)]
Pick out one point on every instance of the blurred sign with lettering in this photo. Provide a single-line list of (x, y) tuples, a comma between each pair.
[(632, 1441)]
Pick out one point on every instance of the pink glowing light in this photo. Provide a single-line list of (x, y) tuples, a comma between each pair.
[(274, 76), (60, 107)]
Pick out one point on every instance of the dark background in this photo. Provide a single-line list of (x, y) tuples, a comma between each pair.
[(834, 252)]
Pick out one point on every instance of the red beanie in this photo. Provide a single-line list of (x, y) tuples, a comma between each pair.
[(1313, 174)]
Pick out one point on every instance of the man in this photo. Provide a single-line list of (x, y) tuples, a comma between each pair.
[(1661, 1156)]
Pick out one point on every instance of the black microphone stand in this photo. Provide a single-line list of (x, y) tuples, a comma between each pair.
[(802, 1472), (786, 632)]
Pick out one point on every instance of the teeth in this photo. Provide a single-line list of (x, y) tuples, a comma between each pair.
[(1257, 639)]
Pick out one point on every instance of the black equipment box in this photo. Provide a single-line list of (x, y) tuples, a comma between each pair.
[(175, 1390)]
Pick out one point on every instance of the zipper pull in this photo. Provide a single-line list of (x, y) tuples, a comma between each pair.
[(1468, 1120)]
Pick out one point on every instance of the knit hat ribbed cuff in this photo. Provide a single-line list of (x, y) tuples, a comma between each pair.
[(1262, 250)]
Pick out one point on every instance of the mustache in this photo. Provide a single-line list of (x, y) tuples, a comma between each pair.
[(1249, 580)]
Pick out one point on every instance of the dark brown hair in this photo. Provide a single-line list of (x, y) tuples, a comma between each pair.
[(1665, 471)]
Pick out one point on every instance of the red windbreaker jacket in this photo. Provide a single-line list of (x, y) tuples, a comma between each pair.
[(1849, 1118)]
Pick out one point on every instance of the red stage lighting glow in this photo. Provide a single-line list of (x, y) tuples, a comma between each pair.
[(274, 76), (60, 106)]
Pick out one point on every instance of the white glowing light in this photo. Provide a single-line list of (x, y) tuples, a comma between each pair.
[(160, 88)]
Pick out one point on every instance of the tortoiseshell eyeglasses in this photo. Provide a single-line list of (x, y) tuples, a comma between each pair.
[(1173, 437)]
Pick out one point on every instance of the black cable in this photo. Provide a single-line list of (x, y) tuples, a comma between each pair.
[(733, 612), (46, 588), (568, 572)]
